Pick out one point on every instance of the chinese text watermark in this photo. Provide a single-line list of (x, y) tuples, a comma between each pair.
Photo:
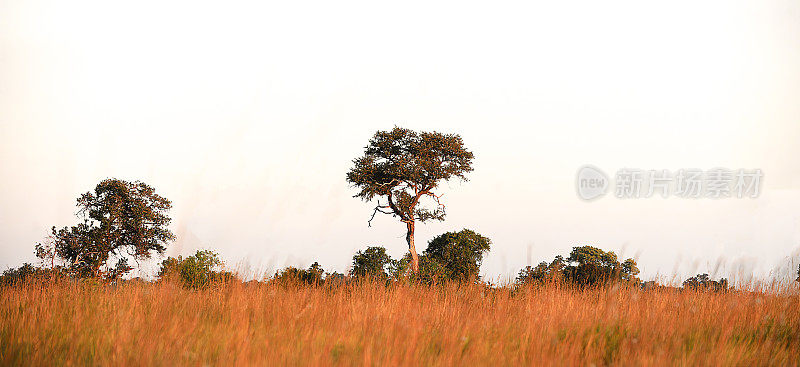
[(631, 183)]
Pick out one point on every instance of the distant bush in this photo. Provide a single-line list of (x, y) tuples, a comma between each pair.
[(459, 254), (28, 272), (431, 271), (542, 272), (196, 271), (312, 276), (373, 262), (449, 257), (704, 282), (586, 265)]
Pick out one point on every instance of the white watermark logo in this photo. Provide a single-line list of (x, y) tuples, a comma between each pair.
[(591, 183), (632, 183)]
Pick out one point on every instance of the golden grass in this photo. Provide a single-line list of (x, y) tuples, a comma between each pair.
[(69, 323)]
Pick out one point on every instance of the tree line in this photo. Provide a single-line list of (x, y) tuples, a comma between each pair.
[(127, 222)]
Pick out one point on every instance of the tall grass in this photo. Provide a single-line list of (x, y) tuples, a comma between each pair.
[(84, 323)]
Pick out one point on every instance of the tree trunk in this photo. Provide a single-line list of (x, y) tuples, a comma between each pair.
[(411, 248)]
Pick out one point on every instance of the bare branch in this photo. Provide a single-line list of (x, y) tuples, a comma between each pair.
[(378, 209)]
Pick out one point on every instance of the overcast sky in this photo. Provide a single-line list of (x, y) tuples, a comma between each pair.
[(247, 116)]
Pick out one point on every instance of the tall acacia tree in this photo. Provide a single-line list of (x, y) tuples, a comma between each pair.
[(406, 167)]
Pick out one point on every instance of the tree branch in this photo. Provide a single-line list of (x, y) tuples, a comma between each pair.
[(377, 210)]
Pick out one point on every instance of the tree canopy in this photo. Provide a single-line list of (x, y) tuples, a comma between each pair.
[(371, 262)]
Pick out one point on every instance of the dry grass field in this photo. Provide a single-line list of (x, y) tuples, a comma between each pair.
[(68, 323)]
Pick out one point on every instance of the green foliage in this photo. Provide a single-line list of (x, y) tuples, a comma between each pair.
[(121, 219), (452, 256), (431, 272), (542, 272), (459, 253), (196, 271), (586, 265), (591, 266), (372, 262), (704, 282), (313, 275), (530, 274)]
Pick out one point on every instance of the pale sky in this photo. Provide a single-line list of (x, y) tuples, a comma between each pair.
[(247, 116)]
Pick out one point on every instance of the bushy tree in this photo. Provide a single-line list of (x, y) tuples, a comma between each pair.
[(542, 272), (704, 282), (590, 265), (122, 220), (196, 271), (406, 167), (586, 265), (459, 253), (372, 262)]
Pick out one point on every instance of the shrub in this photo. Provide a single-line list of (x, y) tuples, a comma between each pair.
[(372, 262), (586, 265), (704, 282), (312, 275), (196, 271), (459, 254)]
